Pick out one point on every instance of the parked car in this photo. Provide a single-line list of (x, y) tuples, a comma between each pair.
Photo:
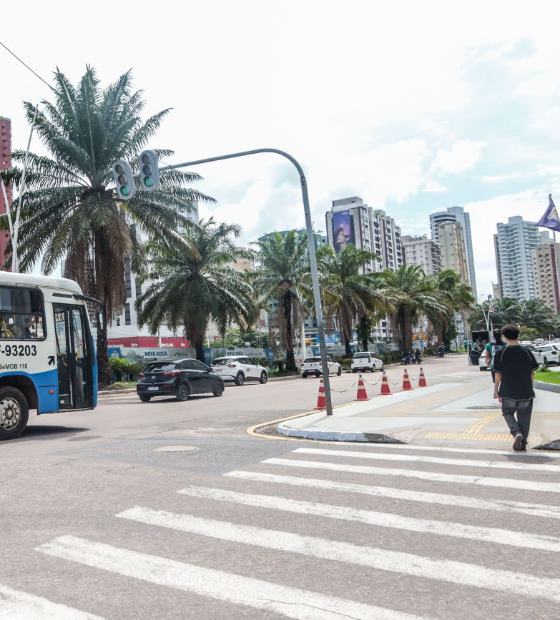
[(313, 366), (550, 354), (482, 362), (539, 355), (366, 361), (181, 378), (239, 368)]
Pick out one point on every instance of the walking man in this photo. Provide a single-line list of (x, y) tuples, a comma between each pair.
[(515, 372)]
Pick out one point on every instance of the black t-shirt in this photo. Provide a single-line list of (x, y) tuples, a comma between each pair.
[(515, 364)]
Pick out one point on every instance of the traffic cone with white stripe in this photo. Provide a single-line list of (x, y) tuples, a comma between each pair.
[(321, 398), (362, 394), (385, 389), (422, 379), (406, 385)]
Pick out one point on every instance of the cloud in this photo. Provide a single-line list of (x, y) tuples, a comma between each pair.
[(460, 157)]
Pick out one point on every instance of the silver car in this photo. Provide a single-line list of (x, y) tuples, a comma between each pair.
[(239, 368)]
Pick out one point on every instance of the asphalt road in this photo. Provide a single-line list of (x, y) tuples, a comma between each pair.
[(100, 519)]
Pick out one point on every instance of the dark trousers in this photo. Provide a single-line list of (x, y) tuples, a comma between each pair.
[(522, 423)]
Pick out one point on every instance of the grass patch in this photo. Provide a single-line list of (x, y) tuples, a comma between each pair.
[(548, 377)]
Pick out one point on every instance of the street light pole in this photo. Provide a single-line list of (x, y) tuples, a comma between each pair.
[(310, 241)]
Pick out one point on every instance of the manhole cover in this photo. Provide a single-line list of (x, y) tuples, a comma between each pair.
[(485, 408), (176, 449)]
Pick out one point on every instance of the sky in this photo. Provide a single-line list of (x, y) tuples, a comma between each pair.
[(412, 106)]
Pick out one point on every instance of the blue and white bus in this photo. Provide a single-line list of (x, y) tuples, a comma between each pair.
[(47, 353)]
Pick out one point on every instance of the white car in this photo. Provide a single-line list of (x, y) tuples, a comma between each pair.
[(313, 366), (366, 361), (538, 355), (550, 354), (239, 368)]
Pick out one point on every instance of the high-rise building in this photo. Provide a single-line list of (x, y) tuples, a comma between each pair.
[(422, 251), (453, 249), (496, 293), (5, 162), (513, 245), (546, 269), (457, 214), (350, 221)]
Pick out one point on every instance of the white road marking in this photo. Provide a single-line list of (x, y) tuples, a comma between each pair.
[(262, 595), (542, 454), (505, 483), (381, 559), (534, 510), (382, 519), (413, 458), (16, 605)]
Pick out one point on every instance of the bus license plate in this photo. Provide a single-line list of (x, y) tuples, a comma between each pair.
[(152, 389)]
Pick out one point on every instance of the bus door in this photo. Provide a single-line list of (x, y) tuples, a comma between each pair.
[(73, 354)]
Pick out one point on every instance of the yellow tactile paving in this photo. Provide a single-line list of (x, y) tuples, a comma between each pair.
[(474, 432)]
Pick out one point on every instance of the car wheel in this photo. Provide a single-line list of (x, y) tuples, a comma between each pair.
[(339, 371), (354, 370), (304, 375), (240, 379), (264, 377), (14, 413), (145, 399), (183, 392), (382, 369), (219, 389), (545, 362)]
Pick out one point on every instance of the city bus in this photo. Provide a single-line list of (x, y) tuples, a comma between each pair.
[(47, 353)]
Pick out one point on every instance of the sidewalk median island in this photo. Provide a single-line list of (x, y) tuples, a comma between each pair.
[(366, 422), (547, 380)]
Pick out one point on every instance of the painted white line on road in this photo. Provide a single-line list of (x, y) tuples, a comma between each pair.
[(505, 483), (382, 519), (471, 503), (542, 454), (412, 458), (16, 605), (262, 595), (326, 549)]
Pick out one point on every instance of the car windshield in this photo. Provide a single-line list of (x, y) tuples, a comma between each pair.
[(159, 367), (361, 356), (545, 348), (222, 361), (312, 359)]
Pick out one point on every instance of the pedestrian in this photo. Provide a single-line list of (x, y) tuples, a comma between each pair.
[(515, 372), (491, 349)]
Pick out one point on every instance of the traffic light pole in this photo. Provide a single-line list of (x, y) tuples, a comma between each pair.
[(310, 240)]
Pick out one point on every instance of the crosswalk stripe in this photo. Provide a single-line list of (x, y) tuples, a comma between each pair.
[(381, 559), (534, 510), (431, 459), (381, 519), (505, 483), (15, 604), (541, 454), (255, 593)]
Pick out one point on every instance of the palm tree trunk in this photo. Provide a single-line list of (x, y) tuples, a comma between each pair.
[(104, 372), (290, 357), (407, 331)]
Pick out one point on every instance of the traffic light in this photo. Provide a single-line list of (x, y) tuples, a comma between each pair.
[(149, 172), (124, 179)]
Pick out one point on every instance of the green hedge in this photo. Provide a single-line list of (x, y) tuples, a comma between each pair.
[(123, 370)]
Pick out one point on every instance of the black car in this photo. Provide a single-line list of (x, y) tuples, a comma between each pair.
[(180, 378)]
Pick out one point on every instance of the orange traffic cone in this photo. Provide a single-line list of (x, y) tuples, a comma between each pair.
[(321, 398), (422, 379), (362, 394), (385, 389), (406, 385)]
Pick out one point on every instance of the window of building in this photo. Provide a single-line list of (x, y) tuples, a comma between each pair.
[(127, 314)]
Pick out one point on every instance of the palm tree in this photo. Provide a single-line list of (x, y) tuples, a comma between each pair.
[(348, 294), (71, 213), (414, 295), (189, 288), (455, 295), (281, 279), (501, 311), (536, 314)]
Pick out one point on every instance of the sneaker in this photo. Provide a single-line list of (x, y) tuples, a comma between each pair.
[(518, 442)]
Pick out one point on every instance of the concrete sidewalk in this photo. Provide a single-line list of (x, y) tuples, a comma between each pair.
[(455, 414)]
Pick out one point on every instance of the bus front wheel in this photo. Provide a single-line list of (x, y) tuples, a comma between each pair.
[(14, 413)]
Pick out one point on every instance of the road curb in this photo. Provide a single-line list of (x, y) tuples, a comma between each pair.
[(547, 387), (336, 435)]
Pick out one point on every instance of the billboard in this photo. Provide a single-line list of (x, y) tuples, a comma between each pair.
[(343, 230)]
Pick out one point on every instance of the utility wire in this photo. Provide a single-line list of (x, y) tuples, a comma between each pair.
[(25, 65)]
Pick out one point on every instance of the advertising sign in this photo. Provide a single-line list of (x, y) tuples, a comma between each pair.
[(343, 231)]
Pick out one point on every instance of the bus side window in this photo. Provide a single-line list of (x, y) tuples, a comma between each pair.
[(21, 314)]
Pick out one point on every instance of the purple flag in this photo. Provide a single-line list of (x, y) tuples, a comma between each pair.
[(550, 219)]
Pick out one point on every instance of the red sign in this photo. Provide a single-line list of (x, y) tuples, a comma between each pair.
[(149, 342)]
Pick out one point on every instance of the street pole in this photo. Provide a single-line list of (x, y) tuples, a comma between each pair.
[(311, 245)]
